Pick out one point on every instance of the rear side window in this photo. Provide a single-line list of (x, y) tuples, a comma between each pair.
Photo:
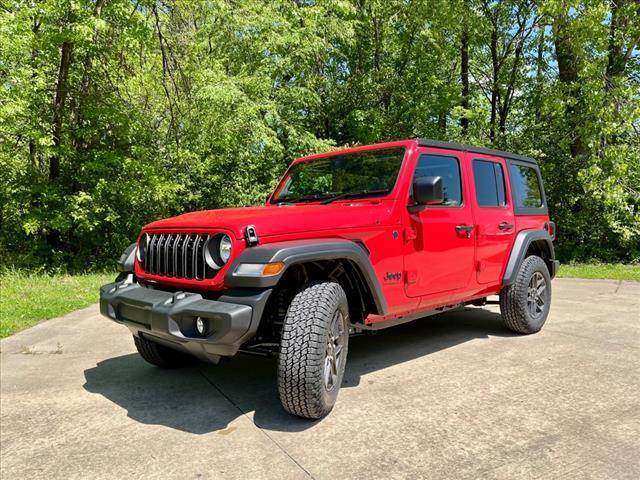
[(525, 185), (449, 169), (489, 180)]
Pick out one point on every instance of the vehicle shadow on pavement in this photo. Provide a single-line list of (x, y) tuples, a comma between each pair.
[(206, 398)]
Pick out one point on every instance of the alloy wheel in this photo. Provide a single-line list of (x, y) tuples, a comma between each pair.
[(536, 294), (334, 348)]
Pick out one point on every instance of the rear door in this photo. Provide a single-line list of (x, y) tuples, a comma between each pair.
[(439, 251), (493, 214)]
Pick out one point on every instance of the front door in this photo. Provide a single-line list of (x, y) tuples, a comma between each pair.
[(439, 248), (495, 225)]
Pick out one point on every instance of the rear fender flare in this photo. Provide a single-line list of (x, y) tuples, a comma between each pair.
[(521, 245)]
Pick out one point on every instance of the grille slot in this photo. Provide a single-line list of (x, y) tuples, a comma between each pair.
[(177, 255)]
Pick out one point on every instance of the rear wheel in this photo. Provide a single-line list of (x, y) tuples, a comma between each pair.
[(313, 350), (161, 356), (525, 304)]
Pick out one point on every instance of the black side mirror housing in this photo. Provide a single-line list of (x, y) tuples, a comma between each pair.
[(428, 191)]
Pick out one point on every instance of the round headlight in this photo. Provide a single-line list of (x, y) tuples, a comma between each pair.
[(141, 250), (217, 251), (224, 248)]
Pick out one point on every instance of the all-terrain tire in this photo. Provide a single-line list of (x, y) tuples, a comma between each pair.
[(523, 311), (308, 379), (161, 356)]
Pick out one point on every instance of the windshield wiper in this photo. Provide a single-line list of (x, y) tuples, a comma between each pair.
[(354, 194), (304, 198)]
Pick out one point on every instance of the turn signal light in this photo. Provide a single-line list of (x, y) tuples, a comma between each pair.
[(259, 269), (272, 269)]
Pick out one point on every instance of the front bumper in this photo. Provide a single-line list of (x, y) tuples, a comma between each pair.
[(169, 318)]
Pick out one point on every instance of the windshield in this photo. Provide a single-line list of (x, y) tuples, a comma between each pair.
[(371, 173)]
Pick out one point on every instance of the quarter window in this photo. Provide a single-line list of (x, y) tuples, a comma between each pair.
[(525, 185), (489, 181), (449, 169)]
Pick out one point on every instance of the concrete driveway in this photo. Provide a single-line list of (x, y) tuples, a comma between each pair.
[(455, 396)]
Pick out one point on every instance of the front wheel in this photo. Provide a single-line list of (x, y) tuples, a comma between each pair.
[(525, 304), (161, 356), (313, 350)]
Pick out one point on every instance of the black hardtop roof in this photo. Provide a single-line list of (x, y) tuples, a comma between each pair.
[(426, 142)]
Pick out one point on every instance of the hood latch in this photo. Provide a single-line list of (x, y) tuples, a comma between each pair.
[(250, 235)]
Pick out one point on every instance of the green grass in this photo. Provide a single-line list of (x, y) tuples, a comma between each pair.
[(613, 271), (26, 299)]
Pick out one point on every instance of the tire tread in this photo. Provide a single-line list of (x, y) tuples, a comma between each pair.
[(302, 349), (513, 297), (161, 356)]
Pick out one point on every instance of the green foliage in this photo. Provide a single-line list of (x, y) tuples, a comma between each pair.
[(114, 113)]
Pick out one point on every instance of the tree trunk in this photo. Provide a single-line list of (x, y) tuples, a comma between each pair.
[(621, 44), (539, 73), (35, 28), (495, 93), (464, 66), (621, 47), (66, 53), (86, 81), (615, 60), (166, 72), (511, 87), (568, 69), (442, 123)]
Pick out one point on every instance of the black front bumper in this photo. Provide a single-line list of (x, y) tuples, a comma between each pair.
[(169, 317)]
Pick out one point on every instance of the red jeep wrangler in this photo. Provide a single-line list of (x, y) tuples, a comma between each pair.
[(350, 241)]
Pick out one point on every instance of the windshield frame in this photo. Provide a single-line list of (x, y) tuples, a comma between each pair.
[(273, 198)]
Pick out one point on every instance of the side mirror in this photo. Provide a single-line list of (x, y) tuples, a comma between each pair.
[(428, 190)]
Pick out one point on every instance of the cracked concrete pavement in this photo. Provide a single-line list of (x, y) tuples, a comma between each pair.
[(454, 396)]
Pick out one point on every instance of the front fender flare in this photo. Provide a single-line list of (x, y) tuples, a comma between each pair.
[(300, 251)]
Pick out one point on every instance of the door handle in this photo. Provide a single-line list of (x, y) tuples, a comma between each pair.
[(505, 227), (466, 229)]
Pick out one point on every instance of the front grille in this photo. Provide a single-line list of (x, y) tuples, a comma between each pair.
[(177, 255)]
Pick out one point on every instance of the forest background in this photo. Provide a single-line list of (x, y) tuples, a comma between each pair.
[(114, 113)]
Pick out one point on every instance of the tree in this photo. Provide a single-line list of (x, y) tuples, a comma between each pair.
[(114, 113)]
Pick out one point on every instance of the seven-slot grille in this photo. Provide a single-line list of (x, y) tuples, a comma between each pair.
[(177, 255)]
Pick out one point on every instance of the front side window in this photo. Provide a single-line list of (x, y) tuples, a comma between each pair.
[(489, 181), (526, 186), (446, 167), (371, 173)]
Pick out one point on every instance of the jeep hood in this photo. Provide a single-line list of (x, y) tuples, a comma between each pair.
[(272, 220)]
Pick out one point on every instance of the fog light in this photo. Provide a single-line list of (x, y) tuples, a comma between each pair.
[(201, 326)]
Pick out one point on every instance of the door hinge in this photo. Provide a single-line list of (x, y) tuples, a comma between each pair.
[(410, 234), (411, 276)]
